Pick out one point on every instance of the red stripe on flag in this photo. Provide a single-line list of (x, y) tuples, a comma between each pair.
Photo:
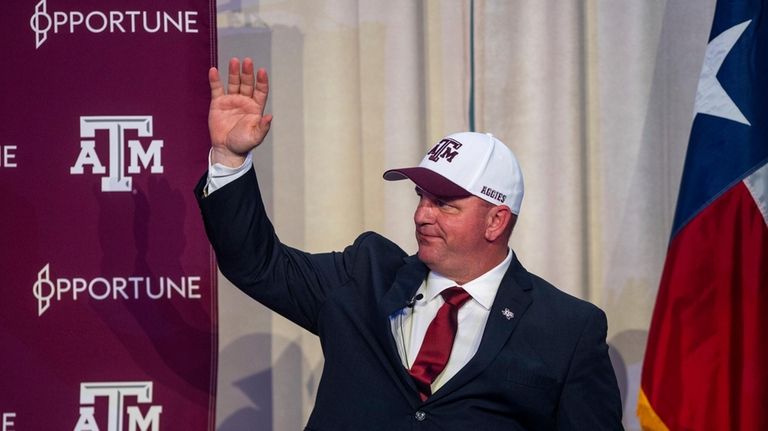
[(706, 362)]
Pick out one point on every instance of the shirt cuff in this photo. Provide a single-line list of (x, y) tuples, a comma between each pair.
[(220, 175)]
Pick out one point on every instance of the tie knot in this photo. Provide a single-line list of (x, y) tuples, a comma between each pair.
[(456, 296)]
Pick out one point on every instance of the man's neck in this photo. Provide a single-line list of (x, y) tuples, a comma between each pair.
[(473, 272)]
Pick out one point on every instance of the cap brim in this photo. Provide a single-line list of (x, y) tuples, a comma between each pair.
[(429, 181)]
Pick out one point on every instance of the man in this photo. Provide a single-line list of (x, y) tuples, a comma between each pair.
[(458, 337)]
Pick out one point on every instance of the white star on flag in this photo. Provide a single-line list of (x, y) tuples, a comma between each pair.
[(710, 97)]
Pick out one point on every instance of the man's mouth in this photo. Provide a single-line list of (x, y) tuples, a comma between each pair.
[(425, 236)]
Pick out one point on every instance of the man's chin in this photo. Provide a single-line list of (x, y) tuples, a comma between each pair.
[(425, 255)]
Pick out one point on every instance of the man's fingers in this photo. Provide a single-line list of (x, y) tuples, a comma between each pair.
[(247, 78), (241, 80), (262, 128), (233, 80), (265, 122), (262, 88), (217, 90)]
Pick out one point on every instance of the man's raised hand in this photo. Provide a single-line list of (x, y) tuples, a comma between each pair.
[(236, 118)]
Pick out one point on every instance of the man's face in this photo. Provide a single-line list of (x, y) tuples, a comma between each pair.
[(451, 232)]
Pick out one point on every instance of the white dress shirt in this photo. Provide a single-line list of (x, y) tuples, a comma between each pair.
[(410, 325), (220, 175)]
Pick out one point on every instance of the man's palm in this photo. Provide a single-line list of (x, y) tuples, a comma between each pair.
[(234, 123)]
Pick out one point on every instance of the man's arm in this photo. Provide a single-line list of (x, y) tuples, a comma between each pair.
[(289, 281), (590, 397)]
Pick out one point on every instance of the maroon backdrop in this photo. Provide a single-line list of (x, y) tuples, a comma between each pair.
[(108, 295)]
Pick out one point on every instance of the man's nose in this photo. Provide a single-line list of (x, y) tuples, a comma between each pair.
[(424, 212)]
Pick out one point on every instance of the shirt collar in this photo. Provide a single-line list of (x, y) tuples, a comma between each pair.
[(482, 289)]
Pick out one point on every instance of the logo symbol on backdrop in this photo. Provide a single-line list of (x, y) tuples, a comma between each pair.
[(446, 149), (40, 23), (119, 397), (110, 22), (47, 289), (43, 282), (139, 156)]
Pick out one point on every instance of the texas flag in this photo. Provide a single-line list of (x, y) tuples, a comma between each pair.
[(706, 363)]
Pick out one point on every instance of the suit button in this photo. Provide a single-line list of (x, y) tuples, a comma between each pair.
[(420, 415)]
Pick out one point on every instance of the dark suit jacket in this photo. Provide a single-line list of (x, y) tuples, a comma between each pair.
[(546, 368)]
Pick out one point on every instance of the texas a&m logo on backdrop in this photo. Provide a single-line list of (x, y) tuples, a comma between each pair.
[(127, 402), (140, 156)]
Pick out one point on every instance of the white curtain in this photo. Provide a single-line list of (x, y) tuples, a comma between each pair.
[(594, 97)]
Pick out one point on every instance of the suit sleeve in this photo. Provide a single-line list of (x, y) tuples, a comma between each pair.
[(590, 398), (249, 253)]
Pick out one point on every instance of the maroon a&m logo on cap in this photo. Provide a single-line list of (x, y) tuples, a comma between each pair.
[(446, 149)]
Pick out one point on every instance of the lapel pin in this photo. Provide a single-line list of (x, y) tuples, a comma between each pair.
[(508, 314)]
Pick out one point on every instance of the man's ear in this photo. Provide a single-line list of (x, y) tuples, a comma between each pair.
[(500, 221)]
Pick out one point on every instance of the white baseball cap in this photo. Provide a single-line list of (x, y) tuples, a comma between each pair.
[(468, 163)]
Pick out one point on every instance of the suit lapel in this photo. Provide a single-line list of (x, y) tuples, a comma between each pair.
[(407, 282), (512, 301)]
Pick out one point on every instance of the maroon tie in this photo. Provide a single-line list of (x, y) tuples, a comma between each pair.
[(438, 341)]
